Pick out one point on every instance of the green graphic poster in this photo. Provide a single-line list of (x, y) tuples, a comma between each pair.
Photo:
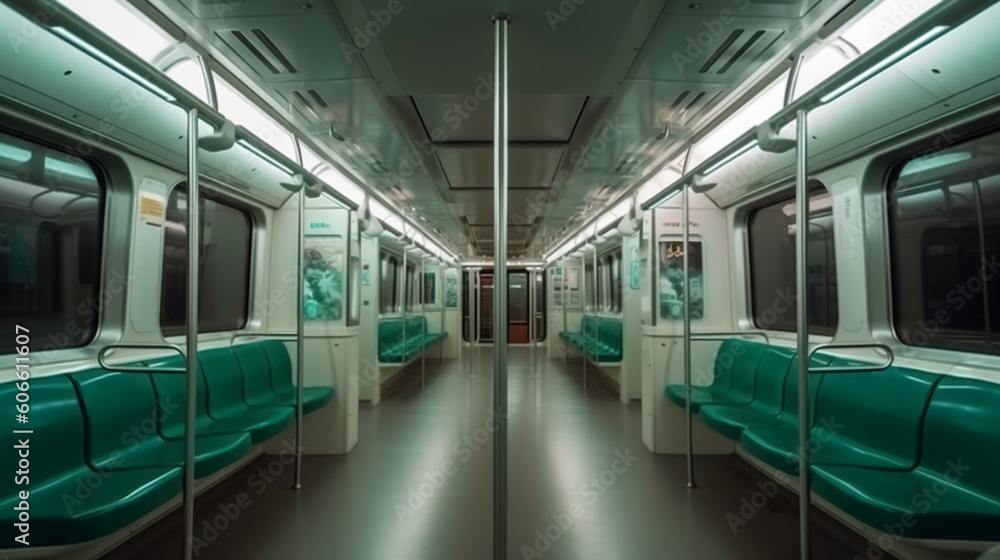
[(451, 288), (672, 280), (323, 278)]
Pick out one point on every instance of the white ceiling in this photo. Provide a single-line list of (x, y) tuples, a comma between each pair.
[(588, 93)]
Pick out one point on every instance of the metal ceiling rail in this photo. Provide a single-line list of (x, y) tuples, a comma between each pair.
[(911, 38), (51, 16)]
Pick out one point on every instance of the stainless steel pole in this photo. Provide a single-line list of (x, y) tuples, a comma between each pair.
[(423, 313), (194, 246), (501, 22), (300, 345), (802, 326), (689, 428)]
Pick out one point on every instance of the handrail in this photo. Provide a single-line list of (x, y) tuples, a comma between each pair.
[(182, 98), (952, 14), (283, 337), (718, 335), (890, 358), (140, 369)]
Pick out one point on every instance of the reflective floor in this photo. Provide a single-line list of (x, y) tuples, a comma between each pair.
[(419, 484)]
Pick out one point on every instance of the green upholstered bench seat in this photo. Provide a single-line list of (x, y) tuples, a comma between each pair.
[(221, 411), (267, 377), (70, 502), (403, 339), (600, 338), (121, 432), (953, 492)]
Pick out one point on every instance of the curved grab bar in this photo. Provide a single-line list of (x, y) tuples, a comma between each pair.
[(724, 335), (890, 358), (233, 338), (140, 369)]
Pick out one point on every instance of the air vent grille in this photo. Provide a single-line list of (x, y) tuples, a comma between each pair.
[(265, 52), (313, 103), (689, 104), (739, 49)]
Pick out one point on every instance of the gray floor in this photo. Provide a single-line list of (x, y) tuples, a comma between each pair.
[(563, 444)]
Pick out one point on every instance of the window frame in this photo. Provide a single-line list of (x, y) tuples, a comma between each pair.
[(105, 186), (814, 187), (894, 164), (219, 197)]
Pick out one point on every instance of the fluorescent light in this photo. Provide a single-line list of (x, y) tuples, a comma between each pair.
[(117, 66), (733, 156), (253, 149), (885, 63)]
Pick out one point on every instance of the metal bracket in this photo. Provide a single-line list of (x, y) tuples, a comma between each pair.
[(220, 140), (768, 139)]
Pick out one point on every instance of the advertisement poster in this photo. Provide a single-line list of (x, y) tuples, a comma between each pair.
[(451, 288), (366, 273), (323, 276), (672, 280)]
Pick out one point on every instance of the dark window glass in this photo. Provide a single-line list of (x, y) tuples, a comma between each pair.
[(224, 266), (772, 266), (944, 219), (51, 209)]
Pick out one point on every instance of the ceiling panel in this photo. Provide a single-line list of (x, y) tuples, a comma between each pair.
[(470, 166), (468, 118), (273, 47)]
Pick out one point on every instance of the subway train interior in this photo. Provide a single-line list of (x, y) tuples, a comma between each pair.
[(508, 279)]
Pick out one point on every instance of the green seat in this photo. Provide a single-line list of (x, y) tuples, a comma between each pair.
[(69, 501), (224, 383), (605, 346), (866, 419), (734, 369), (770, 385), (953, 492), (256, 364), (173, 387), (401, 340), (123, 431)]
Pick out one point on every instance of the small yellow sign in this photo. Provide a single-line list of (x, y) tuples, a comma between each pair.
[(151, 208)]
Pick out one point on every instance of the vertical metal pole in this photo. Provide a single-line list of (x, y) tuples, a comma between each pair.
[(406, 290), (423, 312), (501, 22), (194, 246), (300, 345), (686, 296), (563, 294), (802, 325)]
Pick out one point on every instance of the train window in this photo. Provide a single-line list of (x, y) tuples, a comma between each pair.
[(772, 266), (241, 111), (672, 280), (123, 23), (226, 233), (429, 291), (50, 246), (944, 221), (588, 285), (189, 75), (388, 284), (615, 268), (410, 286)]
